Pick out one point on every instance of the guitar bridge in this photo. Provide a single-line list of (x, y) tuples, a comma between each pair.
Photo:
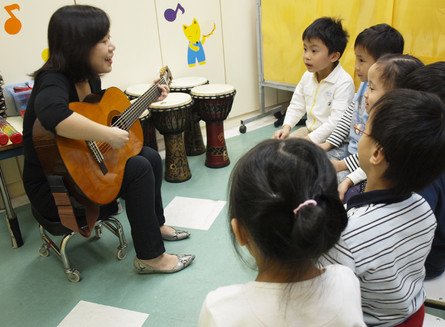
[(98, 157)]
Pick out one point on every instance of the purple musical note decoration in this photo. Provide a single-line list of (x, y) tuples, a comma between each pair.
[(170, 14)]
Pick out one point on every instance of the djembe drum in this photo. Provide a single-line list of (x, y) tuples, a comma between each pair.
[(213, 103), (194, 144), (133, 92), (170, 118)]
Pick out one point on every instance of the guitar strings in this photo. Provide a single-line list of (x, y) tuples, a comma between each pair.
[(129, 116), (96, 152), (126, 120)]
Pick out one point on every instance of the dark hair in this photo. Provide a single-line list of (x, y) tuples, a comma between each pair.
[(429, 78), (330, 31), (394, 68), (410, 127), (268, 183), (380, 39), (72, 32)]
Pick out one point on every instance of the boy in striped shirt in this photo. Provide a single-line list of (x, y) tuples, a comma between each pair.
[(390, 228), (370, 44)]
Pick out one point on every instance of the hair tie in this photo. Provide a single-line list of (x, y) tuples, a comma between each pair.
[(310, 202)]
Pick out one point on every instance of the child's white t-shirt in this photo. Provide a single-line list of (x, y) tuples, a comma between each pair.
[(331, 299)]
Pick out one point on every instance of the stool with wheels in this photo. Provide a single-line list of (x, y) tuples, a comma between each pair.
[(55, 228)]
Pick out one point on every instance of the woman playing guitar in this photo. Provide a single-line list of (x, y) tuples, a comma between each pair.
[(80, 51)]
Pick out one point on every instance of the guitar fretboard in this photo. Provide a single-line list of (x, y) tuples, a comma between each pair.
[(129, 116)]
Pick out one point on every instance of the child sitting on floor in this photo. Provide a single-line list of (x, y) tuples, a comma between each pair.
[(431, 78), (326, 89), (388, 73), (369, 46), (286, 221), (390, 228)]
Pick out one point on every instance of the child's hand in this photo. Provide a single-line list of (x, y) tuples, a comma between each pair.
[(339, 165), (343, 187), (282, 133)]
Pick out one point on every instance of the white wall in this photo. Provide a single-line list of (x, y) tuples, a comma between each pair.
[(133, 30), (20, 53), (145, 42)]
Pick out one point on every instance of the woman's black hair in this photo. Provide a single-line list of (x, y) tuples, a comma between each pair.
[(72, 32), (267, 185), (409, 125)]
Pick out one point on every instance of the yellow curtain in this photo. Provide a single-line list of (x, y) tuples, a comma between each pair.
[(422, 25)]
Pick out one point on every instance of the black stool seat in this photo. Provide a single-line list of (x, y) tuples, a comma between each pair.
[(106, 218)]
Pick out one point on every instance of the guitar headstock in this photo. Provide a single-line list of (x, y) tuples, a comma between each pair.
[(166, 75)]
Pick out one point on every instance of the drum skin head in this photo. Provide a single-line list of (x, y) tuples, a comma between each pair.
[(138, 89), (187, 82), (173, 100), (212, 90)]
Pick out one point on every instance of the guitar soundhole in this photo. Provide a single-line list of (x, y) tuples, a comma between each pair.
[(114, 119)]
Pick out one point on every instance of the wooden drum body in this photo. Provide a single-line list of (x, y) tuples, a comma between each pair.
[(194, 144), (213, 103), (133, 92), (170, 117)]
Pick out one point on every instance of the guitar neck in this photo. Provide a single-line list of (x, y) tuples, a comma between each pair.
[(130, 115)]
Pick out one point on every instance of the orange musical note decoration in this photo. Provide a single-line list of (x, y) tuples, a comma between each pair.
[(13, 25)]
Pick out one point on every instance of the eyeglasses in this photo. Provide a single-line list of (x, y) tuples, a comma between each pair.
[(359, 129)]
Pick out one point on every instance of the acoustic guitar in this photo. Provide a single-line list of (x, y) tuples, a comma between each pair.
[(92, 172)]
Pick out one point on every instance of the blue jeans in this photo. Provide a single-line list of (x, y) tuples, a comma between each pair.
[(339, 153)]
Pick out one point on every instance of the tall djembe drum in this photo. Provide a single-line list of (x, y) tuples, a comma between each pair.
[(194, 144), (213, 103), (133, 92), (170, 117)]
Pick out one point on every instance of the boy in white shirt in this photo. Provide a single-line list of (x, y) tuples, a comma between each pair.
[(326, 89)]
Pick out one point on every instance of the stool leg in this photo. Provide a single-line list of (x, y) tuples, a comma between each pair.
[(72, 274), (114, 226)]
